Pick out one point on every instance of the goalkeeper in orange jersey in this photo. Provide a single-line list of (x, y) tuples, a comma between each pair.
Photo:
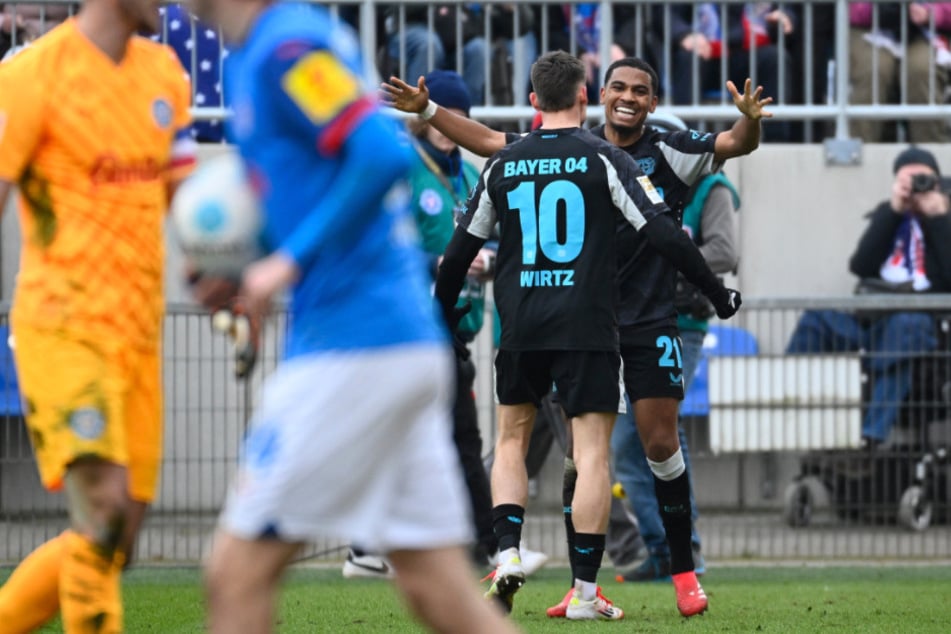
[(94, 132)]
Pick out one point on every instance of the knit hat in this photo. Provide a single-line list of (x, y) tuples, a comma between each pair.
[(447, 88), (916, 156)]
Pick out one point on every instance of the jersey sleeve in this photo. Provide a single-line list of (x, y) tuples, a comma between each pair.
[(514, 137), (318, 94), (480, 214), (690, 154), (632, 191), (22, 115)]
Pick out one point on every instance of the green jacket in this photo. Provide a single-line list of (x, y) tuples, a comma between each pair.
[(433, 208), (710, 223)]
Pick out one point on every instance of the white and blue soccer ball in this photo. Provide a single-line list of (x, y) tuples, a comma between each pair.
[(216, 217)]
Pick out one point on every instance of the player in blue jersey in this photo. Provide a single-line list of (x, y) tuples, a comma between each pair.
[(325, 457)]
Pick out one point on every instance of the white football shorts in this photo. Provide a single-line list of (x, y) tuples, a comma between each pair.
[(356, 446)]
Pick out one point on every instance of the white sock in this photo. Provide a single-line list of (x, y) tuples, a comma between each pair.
[(669, 469), (588, 590)]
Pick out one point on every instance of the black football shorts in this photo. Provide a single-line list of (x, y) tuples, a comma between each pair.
[(586, 381)]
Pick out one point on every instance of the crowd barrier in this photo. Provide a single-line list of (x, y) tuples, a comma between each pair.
[(779, 470)]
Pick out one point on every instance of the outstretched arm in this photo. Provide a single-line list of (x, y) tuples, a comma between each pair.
[(465, 132), (744, 136)]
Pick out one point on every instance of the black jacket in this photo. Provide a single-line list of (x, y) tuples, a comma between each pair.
[(875, 246)]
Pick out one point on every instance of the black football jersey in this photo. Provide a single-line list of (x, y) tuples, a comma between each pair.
[(558, 196), (673, 161)]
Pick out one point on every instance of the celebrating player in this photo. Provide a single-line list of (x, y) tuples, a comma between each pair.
[(94, 131), (553, 194), (674, 161)]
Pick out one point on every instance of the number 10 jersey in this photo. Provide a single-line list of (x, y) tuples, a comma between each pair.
[(559, 196)]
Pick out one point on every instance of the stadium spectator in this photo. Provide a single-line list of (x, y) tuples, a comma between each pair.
[(94, 173), (352, 437), (439, 43), (581, 23), (513, 51), (925, 49), (440, 183), (200, 51), (703, 33), (20, 24), (812, 46), (906, 248)]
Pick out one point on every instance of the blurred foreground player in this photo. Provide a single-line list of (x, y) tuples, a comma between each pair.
[(93, 131), (322, 458)]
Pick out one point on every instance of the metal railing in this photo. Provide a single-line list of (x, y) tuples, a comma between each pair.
[(763, 491), (812, 71)]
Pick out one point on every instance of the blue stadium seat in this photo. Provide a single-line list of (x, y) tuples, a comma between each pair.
[(721, 341), (10, 403)]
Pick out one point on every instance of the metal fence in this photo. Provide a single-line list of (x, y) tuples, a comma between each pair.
[(774, 438)]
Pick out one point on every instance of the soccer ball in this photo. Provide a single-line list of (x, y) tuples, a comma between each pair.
[(216, 217)]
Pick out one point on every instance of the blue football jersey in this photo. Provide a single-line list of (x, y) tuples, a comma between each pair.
[(329, 168)]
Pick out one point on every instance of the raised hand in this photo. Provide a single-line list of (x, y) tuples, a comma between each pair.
[(751, 104), (400, 95)]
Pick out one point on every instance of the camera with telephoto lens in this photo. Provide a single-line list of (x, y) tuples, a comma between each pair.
[(921, 183)]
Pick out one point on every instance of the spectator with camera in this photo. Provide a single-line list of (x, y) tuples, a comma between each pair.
[(906, 248)]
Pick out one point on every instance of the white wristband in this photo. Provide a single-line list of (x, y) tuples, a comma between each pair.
[(430, 111)]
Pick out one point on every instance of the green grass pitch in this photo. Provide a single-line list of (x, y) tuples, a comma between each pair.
[(756, 598)]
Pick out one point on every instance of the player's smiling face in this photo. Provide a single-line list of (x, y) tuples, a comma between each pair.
[(628, 98)]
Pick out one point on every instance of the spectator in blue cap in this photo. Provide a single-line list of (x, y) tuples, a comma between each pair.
[(448, 89)]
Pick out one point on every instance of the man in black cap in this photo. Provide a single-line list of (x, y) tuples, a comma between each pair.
[(906, 248)]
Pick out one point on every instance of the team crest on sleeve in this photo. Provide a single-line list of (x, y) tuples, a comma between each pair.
[(321, 86), (162, 112), (649, 189), (430, 202)]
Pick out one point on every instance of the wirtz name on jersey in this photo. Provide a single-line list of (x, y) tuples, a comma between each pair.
[(558, 277)]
